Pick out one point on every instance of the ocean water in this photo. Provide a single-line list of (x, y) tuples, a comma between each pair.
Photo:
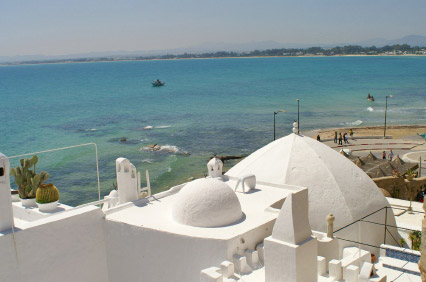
[(211, 106)]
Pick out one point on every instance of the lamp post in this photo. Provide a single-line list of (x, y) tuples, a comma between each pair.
[(280, 111), (386, 109), (298, 116)]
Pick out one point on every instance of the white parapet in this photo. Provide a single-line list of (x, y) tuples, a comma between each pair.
[(365, 272), (252, 259), (227, 269), (352, 273), (211, 274), (127, 181), (322, 265), (335, 269), (261, 252), (6, 217), (241, 265)]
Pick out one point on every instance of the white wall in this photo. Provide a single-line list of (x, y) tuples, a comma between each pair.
[(66, 247), (138, 254)]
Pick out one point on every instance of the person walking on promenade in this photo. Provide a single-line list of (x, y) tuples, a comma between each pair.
[(384, 155), (351, 133), (335, 136), (345, 138), (340, 138), (390, 155), (318, 138)]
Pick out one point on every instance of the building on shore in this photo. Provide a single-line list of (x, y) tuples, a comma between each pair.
[(295, 210)]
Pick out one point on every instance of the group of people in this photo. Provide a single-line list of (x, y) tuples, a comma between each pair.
[(343, 138), (390, 155)]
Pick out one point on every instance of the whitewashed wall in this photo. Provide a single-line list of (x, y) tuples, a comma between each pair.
[(137, 254), (66, 247)]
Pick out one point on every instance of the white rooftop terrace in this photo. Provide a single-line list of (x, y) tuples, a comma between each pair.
[(260, 206)]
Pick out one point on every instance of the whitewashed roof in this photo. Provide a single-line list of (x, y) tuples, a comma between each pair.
[(335, 184), (207, 202)]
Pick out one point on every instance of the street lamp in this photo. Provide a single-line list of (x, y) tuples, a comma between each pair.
[(298, 117), (280, 111), (386, 109)]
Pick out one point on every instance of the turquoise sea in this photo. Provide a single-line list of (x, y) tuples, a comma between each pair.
[(222, 106)]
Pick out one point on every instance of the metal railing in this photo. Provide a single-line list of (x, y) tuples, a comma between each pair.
[(386, 227)]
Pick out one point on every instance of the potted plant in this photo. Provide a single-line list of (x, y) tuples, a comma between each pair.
[(28, 180), (47, 197)]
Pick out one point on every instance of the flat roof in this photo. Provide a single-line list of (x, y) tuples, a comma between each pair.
[(156, 213)]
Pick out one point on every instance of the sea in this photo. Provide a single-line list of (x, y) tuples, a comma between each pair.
[(207, 107)]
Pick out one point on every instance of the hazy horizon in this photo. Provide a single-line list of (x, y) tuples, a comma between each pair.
[(50, 28)]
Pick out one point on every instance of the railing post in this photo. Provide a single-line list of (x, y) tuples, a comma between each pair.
[(386, 222)]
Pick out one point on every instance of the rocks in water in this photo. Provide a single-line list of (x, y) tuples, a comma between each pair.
[(228, 157), (165, 148), (154, 147)]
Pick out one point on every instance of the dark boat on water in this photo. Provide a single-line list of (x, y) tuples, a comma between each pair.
[(158, 82)]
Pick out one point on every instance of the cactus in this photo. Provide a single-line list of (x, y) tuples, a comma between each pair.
[(47, 193), (27, 179)]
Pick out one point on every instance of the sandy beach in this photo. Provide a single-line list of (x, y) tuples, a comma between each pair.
[(396, 131)]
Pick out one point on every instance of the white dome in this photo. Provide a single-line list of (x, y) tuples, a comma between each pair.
[(335, 184), (207, 202)]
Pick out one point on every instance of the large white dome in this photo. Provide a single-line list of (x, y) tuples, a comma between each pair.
[(207, 202), (335, 184)]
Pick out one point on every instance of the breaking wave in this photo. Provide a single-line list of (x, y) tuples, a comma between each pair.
[(370, 109), (163, 126), (357, 122), (163, 148), (149, 161)]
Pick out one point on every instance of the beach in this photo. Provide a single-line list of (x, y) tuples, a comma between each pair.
[(395, 131)]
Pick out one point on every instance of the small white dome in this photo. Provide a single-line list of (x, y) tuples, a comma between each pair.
[(113, 194), (207, 202)]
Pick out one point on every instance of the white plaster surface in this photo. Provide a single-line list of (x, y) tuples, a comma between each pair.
[(146, 236), (64, 247), (335, 184), (291, 251), (6, 217), (335, 269), (127, 180), (214, 167), (292, 225), (207, 202)]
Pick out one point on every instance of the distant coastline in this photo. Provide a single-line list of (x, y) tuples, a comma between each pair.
[(346, 51), (200, 58)]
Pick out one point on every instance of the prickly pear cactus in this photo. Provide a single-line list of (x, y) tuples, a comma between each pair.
[(27, 179), (47, 193)]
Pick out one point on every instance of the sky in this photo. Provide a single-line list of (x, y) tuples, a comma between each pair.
[(57, 27)]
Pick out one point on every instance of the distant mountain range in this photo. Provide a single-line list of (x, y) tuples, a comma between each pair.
[(413, 40)]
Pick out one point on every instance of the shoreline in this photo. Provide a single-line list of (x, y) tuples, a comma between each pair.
[(207, 58), (396, 131)]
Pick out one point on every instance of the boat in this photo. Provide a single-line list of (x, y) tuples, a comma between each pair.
[(158, 82)]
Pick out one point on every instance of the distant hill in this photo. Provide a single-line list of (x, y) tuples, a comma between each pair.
[(413, 40)]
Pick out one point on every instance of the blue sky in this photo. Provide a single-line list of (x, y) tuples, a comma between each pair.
[(53, 27)]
